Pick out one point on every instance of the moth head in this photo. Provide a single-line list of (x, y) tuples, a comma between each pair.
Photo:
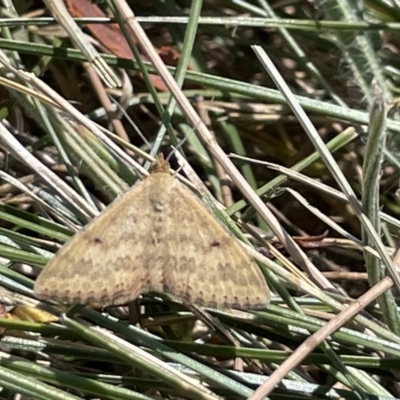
[(160, 165)]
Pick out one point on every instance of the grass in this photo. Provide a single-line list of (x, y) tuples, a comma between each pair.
[(314, 193)]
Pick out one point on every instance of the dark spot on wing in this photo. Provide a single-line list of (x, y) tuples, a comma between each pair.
[(215, 244)]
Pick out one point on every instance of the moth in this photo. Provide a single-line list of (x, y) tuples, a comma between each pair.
[(157, 237)]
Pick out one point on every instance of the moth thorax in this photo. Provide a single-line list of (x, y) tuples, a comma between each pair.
[(158, 206)]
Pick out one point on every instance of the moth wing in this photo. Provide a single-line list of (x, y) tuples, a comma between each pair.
[(206, 265), (107, 262)]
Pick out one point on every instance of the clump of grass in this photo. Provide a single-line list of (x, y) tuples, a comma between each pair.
[(315, 195)]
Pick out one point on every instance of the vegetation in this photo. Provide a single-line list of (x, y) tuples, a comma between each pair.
[(284, 113)]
